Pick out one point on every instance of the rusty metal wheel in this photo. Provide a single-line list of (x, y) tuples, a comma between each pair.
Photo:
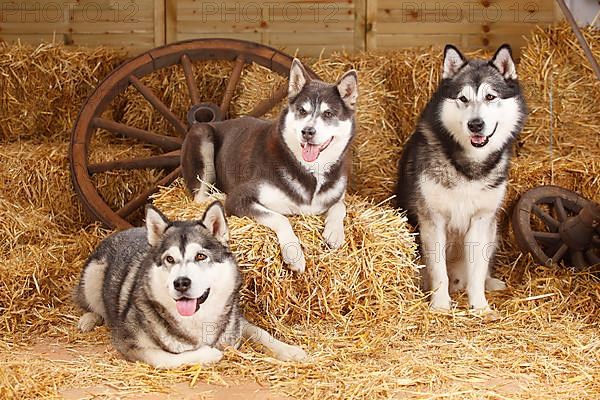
[(102, 121), (556, 224)]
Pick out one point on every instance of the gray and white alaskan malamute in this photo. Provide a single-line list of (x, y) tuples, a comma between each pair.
[(453, 172), (169, 292), (297, 164)]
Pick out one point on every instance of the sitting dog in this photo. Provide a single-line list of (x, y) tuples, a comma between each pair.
[(298, 164), (453, 173), (169, 292)]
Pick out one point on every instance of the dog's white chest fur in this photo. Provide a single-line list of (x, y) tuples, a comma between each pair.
[(278, 200), (460, 203)]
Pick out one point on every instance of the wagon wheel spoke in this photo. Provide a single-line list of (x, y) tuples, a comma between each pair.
[(592, 257), (167, 143), (560, 209), (267, 104), (578, 259), (142, 198), (188, 71), (165, 161), (560, 253), (159, 105), (232, 83), (547, 218), (550, 238)]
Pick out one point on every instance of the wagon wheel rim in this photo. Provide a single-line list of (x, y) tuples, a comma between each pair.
[(130, 74), (551, 206)]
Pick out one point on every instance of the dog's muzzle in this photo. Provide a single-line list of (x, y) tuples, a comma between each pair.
[(478, 140)]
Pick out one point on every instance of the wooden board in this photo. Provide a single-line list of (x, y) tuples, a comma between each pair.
[(308, 28), (130, 24), (470, 24)]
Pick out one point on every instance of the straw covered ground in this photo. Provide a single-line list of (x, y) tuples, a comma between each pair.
[(358, 311)]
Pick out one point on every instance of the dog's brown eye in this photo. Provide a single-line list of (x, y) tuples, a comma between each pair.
[(200, 257), (169, 259), (463, 99), (327, 114), (490, 97), (302, 111)]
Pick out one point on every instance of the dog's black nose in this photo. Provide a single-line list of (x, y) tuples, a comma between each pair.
[(308, 132), (476, 125), (182, 284)]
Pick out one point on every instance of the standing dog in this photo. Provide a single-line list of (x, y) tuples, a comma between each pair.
[(298, 164), (169, 292), (453, 172)]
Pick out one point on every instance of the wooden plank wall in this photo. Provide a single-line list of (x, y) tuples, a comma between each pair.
[(309, 27), (131, 24), (470, 25)]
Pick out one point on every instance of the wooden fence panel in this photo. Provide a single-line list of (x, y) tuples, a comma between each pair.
[(132, 24), (308, 28), (303, 27), (470, 25)]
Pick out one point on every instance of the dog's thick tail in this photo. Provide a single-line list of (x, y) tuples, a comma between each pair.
[(198, 160)]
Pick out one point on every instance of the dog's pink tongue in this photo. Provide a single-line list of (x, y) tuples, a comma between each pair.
[(478, 139), (310, 152), (186, 307)]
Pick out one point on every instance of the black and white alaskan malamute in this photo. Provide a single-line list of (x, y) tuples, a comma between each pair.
[(297, 164), (169, 292), (453, 173)]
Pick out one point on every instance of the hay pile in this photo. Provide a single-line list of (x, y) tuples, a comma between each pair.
[(563, 147), (371, 275), (356, 310), (42, 88)]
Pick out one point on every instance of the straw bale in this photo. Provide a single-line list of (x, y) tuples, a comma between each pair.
[(372, 273), (34, 176), (562, 147), (257, 83), (43, 87), (36, 277)]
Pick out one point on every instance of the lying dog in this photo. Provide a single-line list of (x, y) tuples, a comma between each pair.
[(454, 169), (169, 292), (298, 164)]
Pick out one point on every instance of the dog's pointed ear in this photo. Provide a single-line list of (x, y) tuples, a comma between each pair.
[(504, 62), (214, 220), (298, 78), (453, 61), (156, 224), (347, 86)]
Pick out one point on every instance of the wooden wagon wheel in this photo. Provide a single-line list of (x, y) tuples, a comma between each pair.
[(556, 224), (165, 156)]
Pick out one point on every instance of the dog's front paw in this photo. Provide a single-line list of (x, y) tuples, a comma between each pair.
[(294, 257), (441, 303), (89, 321), (200, 196), (208, 355), (334, 235), (478, 304), (291, 353)]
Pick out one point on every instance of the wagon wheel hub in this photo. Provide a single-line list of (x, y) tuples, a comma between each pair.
[(160, 161), (204, 112)]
